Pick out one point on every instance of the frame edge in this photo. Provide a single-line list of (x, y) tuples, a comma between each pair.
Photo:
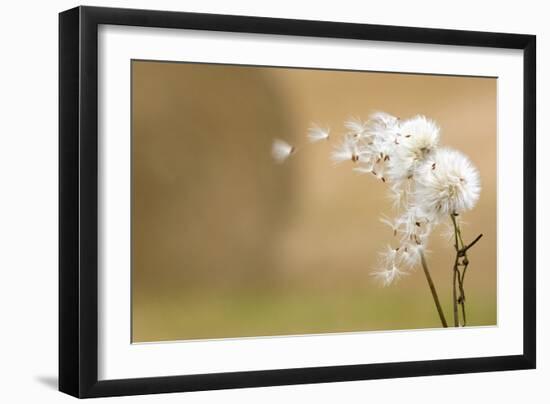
[(529, 201), (69, 82)]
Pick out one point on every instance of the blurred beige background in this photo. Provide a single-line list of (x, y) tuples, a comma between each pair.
[(225, 243)]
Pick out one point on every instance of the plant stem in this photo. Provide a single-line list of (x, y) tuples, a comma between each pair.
[(462, 298), (461, 250), (432, 289), (455, 272), (455, 300), (472, 243)]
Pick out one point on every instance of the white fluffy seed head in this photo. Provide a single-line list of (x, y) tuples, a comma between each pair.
[(371, 143), (418, 139), (449, 183), (420, 135), (383, 130), (281, 150)]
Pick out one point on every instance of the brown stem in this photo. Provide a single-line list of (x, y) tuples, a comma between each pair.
[(432, 289), (462, 297), (471, 244), (461, 251), (456, 274)]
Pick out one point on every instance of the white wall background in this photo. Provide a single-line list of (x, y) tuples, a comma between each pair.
[(28, 199)]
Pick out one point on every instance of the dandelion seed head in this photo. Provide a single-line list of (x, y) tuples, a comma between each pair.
[(452, 185), (419, 137)]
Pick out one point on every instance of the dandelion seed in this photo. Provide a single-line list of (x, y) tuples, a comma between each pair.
[(396, 196), (355, 126), (363, 170), (281, 150), (388, 276), (384, 119), (411, 256), (389, 270), (345, 151), (316, 133), (384, 219), (407, 227)]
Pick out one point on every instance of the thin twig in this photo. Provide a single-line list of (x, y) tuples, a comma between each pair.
[(432, 289), (471, 244)]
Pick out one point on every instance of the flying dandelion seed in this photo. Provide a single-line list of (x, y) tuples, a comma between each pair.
[(317, 133), (281, 150)]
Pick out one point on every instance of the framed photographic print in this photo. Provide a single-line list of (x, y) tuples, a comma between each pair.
[(251, 201)]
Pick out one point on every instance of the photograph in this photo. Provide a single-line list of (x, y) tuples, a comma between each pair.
[(272, 201)]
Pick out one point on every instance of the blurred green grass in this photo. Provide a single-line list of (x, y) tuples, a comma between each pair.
[(240, 313)]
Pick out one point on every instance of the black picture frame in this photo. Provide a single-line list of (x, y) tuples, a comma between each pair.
[(78, 201)]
